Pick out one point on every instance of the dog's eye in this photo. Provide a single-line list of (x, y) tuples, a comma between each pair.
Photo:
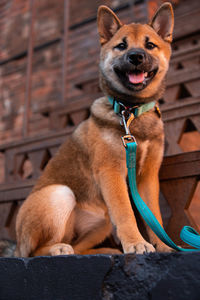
[(121, 46), (150, 45)]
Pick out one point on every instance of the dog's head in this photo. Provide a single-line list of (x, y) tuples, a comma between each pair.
[(134, 58)]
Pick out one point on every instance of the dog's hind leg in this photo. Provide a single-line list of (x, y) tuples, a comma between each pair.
[(44, 221), (92, 229)]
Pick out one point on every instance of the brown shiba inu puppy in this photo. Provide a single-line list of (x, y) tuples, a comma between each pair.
[(83, 191)]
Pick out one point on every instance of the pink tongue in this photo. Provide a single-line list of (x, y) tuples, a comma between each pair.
[(136, 78)]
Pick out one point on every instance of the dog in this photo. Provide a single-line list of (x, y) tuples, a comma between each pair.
[(83, 193)]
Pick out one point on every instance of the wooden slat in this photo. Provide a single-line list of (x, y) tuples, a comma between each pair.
[(15, 191), (181, 166), (182, 109), (182, 77)]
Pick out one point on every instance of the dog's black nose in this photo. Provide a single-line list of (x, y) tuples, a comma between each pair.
[(136, 57)]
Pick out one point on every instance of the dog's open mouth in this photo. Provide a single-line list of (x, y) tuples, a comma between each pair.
[(137, 79)]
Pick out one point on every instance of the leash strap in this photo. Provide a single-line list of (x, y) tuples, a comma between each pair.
[(188, 234)]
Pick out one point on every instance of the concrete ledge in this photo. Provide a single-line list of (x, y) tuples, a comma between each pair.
[(153, 276)]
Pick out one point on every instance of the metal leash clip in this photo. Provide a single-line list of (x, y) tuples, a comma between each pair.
[(128, 138)]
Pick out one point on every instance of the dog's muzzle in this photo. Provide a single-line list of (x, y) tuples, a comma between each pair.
[(136, 69)]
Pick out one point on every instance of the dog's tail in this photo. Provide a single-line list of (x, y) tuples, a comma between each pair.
[(7, 248)]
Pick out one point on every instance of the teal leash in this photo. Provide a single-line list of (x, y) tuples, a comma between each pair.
[(188, 234)]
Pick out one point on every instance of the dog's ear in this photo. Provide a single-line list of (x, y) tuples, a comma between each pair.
[(108, 24), (163, 22)]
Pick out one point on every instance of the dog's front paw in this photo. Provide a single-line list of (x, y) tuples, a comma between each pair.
[(161, 247), (61, 249), (138, 248)]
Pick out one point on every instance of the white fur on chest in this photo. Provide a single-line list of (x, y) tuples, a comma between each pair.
[(113, 140)]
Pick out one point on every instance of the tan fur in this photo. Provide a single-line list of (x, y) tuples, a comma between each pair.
[(83, 191)]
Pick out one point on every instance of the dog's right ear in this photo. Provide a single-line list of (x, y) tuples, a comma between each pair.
[(108, 24)]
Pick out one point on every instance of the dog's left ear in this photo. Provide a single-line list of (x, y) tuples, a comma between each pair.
[(108, 23), (163, 22)]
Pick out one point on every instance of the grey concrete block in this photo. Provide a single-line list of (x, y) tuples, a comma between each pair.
[(55, 278), (155, 276)]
